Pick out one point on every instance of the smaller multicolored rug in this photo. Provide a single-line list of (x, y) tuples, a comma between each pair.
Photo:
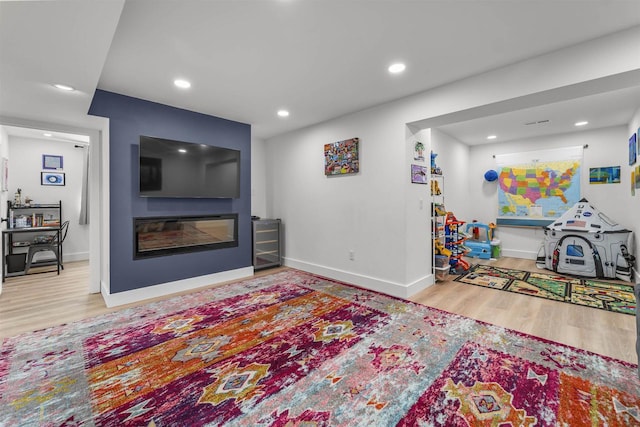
[(591, 293)]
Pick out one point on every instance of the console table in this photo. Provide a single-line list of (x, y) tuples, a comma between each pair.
[(9, 247)]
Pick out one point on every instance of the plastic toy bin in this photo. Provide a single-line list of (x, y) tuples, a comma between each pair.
[(495, 248), (441, 267)]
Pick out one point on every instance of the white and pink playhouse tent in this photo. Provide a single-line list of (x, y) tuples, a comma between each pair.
[(585, 242)]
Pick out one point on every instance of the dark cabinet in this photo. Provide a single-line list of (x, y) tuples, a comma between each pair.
[(266, 243)]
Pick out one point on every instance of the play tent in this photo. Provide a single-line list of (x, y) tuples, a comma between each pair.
[(585, 242)]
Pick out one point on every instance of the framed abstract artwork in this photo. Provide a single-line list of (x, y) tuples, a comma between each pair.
[(52, 178), (604, 175), (342, 157), (632, 149)]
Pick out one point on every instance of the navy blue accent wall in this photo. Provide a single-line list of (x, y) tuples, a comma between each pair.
[(128, 119)]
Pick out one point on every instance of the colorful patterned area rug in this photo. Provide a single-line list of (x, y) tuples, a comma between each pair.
[(292, 349), (591, 293)]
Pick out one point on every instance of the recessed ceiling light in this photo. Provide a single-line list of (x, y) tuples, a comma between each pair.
[(63, 87), (582, 123), (182, 84), (47, 134), (397, 68), (283, 113), (182, 150), (492, 137)]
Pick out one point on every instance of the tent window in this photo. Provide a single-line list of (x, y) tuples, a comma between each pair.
[(575, 250)]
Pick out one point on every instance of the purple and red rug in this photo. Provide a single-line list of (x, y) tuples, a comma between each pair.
[(294, 349)]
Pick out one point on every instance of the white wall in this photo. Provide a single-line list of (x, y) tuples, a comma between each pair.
[(453, 159), (327, 217), (4, 153), (258, 178), (25, 165), (633, 207), (376, 213), (606, 147)]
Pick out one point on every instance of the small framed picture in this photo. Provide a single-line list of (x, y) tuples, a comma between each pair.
[(52, 178), (51, 162), (418, 174)]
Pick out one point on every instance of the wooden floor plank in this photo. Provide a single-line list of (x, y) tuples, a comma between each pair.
[(599, 331)]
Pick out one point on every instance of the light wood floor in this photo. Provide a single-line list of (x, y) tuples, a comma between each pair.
[(41, 300), (599, 331)]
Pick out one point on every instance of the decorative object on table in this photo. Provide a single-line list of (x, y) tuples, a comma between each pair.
[(604, 175), (632, 149), (418, 150), (293, 348), (342, 157), (52, 178), (27, 201), (51, 162), (17, 198), (419, 174), (585, 242), (616, 297)]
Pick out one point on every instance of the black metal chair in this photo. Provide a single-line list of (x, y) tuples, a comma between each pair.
[(51, 245)]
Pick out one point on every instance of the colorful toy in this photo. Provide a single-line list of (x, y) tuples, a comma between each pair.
[(439, 209), (480, 244), (440, 249), (435, 170), (435, 188), (455, 243), (492, 230), (585, 242)]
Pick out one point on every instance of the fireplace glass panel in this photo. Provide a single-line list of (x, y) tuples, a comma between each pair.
[(165, 236)]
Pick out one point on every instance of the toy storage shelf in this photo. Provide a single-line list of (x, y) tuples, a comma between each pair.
[(438, 218)]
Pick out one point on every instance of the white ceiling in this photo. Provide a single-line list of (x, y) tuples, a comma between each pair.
[(318, 59), (602, 110)]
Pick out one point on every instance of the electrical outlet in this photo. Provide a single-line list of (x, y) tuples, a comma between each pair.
[(352, 254)]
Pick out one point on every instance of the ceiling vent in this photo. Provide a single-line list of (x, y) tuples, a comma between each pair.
[(539, 122)]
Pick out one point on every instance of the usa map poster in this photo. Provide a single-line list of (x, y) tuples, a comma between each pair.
[(536, 187)]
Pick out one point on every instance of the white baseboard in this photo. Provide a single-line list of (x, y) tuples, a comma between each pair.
[(368, 282), (66, 257), (78, 256), (164, 289), (514, 253)]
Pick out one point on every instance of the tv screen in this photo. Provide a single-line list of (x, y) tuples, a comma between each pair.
[(183, 169)]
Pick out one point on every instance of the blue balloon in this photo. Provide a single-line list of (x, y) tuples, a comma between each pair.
[(491, 175)]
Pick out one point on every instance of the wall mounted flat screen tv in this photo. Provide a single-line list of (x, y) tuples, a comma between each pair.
[(183, 169)]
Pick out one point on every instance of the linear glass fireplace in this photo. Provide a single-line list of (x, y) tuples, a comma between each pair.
[(180, 234)]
